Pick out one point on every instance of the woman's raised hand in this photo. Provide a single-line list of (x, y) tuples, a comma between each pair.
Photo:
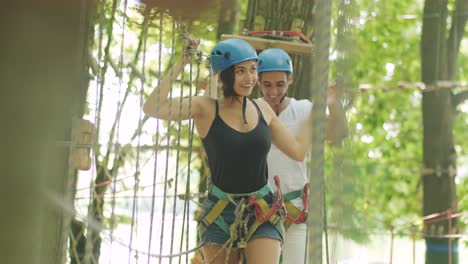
[(190, 48)]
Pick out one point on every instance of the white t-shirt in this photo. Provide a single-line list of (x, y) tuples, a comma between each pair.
[(292, 174)]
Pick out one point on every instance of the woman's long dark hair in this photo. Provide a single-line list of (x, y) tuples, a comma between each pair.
[(227, 78)]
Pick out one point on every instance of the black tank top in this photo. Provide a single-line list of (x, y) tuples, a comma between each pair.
[(238, 160)]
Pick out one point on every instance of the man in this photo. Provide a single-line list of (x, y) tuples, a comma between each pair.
[(275, 75)]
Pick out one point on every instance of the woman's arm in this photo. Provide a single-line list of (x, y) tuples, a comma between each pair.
[(213, 88), (210, 86), (159, 104)]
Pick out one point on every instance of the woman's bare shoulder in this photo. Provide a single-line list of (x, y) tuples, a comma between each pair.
[(206, 114)]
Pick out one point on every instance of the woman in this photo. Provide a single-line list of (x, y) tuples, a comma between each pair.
[(237, 134)]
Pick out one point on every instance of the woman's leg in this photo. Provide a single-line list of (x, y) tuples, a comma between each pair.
[(210, 251), (263, 250)]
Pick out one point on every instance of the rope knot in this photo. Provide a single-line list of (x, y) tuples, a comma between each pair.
[(242, 244), (190, 44)]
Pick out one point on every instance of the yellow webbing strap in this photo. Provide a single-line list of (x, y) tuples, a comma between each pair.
[(265, 208), (213, 216), (233, 236), (293, 211), (216, 211), (274, 219)]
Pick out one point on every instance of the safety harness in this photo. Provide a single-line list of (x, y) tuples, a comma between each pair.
[(295, 215), (238, 231)]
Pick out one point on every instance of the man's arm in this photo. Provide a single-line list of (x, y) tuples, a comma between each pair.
[(337, 124)]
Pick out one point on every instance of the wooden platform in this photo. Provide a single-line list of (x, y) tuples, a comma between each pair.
[(264, 43)]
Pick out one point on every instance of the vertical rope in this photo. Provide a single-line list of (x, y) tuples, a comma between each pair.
[(117, 145), (187, 186), (185, 37), (156, 142), (137, 163), (179, 123), (325, 223), (168, 140), (96, 210), (102, 18), (413, 236), (97, 121), (318, 89), (339, 184), (392, 236), (449, 216), (189, 155)]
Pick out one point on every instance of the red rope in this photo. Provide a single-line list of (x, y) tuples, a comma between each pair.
[(442, 216), (303, 214), (277, 205), (281, 33)]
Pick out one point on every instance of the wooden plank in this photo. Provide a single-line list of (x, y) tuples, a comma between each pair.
[(263, 43)]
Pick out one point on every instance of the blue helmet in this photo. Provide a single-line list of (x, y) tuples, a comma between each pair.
[(229, 52), (274, 60)]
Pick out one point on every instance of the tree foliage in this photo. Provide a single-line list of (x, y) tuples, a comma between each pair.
[(385, 146)]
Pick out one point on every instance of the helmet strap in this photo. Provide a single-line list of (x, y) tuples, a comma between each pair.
[(282, 98), (277, 106), (244, 106)]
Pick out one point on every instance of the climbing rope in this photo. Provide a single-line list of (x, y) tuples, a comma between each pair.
[(238, 225), (278, 204), (300, 216)]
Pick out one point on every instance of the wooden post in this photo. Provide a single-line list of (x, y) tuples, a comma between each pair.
[(42, 92), (290, 47), (84, 138), (319, 73)]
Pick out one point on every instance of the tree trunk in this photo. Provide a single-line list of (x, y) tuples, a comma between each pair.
[(42, 92), (439, 157), (228, 18), (293, 15)]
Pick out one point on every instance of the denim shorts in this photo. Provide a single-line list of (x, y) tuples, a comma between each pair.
[(215, 235)]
